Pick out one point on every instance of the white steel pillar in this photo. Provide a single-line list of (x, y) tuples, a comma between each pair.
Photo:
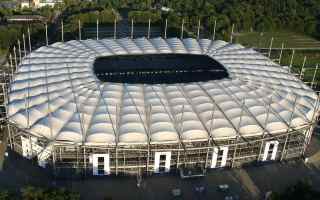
[(314, 75), (29, 38), (97, 29), (96, 164), (215, 156), (131, 28), (198, 30), (24, 45), (10, 136), (281, 51), (19, 49), (165, 29), (15, 57), (182, 29), (291, 60), (149, 26), (62, 32), (267, 149), (115, 29), (214, 30), (231, 35), (270, 47), (46, 27), (79, 29), (157, 161), (302, 67)]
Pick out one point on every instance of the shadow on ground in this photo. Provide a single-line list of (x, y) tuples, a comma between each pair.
[(247, 183)]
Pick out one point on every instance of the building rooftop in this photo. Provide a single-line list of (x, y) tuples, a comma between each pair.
[(56, 94)]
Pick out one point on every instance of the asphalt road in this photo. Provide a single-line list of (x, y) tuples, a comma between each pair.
[(246, 183)]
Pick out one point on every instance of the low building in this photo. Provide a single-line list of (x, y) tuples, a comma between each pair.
[(38, 3), (25, 4)]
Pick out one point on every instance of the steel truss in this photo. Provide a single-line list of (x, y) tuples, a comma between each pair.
[(130, 159)]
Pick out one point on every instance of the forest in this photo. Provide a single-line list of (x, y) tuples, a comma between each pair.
[(302, 16), (298, 16)]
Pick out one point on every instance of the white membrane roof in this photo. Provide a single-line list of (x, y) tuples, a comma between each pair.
[(56, 95)]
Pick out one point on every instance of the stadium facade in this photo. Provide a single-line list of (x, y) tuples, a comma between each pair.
[(64, 110)]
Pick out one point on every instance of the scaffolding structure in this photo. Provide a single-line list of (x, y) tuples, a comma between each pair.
[(65, 158)]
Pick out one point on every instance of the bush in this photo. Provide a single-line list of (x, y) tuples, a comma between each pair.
[(33, 193), (144, 16), (106, 16)]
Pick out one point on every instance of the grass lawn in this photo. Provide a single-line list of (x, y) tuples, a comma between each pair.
[(290, 40), (262, 40)]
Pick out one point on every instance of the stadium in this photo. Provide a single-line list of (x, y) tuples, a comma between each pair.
[(126, 106)]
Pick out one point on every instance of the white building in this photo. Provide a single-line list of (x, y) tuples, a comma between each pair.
[(62, 112)]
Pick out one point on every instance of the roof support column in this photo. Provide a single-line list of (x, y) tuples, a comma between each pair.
[(116, 160), (291, 60), (29, 39), (10, 136), (24, 45), (79, 29), (149, 26), (238, 130), (234, 152), (54, 160), (182, 29), (11, 67), (46, 27), (62, 32), (148, 124), (313, 122), (214, 29), (165, 29), (302, 67), (198, 30), (97, 29), (231, 35), (115, 29), (148, 160), (4, 93), (207, 156), (314, 75), (281, 51), (270, 47), (132, 28), (15, 58), (60, 154), (178, 157), (77, 155), (30, 141), (19, 49), (84, 160), (265, 125), (288, 131)]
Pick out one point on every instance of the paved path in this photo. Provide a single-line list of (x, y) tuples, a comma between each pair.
[(247, 183)]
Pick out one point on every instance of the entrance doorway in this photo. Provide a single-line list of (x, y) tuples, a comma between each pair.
[(219, 157), (100, 164), (270, 150), (162, 162)]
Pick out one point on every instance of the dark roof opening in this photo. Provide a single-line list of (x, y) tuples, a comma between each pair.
[(158, 68)]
